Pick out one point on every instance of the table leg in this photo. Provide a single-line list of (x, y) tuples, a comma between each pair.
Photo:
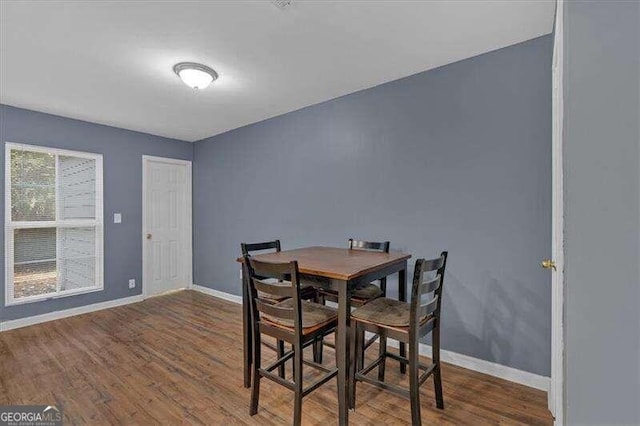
[(344, 311), (246, 332), (402, 296)]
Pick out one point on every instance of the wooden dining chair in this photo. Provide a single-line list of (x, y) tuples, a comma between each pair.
[(369, 291), (296, 321), (308, 293), (405, 322), (365, 293)]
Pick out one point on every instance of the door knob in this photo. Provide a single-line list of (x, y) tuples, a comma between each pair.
[(549, 264), (148, 236)]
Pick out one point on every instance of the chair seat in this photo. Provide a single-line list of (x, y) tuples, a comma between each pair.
[(369, 291), (314, 315), (384, 311)]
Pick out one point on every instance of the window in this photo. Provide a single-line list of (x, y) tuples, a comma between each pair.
[(53, 223)]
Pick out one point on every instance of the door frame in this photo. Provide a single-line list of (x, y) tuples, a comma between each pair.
[(556, 394), (188, 261)]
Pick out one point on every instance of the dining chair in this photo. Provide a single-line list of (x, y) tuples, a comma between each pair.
[(365, 293), (296, 321), (308, 293), (405, 322)]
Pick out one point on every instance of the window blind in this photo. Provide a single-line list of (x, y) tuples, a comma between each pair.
[(77, 187)]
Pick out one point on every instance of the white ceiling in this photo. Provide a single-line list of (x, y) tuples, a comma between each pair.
[(110, 62)]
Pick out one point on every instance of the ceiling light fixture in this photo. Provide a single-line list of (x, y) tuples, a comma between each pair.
[(196, 76), (281, 4)]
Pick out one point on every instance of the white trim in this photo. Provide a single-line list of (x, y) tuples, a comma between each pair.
[(486, 367), (166, 160), (168, 292), (57, 215), (51, 150), (144, 226), (556, 396), (53, 296), (490, 368), (37, 319), (10, 225), (31, 262), (68, 223), (188, 262), (8, 235), (219, 294), (100, 219)]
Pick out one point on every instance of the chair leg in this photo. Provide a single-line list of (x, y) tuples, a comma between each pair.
[(361, 345), (354, 365), (402, 295), (318, 348), (414, 384), (247, 351), (382, 353), (246, 363), (297, 410), (280, 352), (255, 376), (437, 382), (437, 372), (293, 366)]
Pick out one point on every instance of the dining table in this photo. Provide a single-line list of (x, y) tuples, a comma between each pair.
[(340, 270)]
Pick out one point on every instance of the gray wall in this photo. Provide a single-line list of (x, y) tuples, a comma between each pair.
[(456, 158), (122, 152), (602, 221)]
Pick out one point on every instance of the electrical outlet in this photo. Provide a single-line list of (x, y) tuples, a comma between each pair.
[(132, 283), (117, 218)]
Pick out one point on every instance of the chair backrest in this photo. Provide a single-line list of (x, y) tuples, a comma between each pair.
[(248, 248), (369, 245), (421, 309), (274, 279)]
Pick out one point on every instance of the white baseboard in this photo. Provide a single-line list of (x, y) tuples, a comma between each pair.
[(216, 293), (37, 319), (486, 367)]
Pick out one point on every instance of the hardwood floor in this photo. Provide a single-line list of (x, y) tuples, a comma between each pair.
[(177, 359)]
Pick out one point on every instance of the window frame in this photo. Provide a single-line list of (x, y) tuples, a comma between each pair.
[(10, 226)]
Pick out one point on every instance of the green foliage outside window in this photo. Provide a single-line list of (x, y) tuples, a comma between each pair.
[(33, 177)]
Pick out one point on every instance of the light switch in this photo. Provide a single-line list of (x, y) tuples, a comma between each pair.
[(117, 218)]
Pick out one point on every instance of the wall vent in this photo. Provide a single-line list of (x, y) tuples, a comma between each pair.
[(281, 4)]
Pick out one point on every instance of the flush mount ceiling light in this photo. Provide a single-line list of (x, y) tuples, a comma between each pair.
[(196, 76), (281, 4)]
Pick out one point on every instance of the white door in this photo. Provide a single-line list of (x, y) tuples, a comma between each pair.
[(556, 264), (166, 225)]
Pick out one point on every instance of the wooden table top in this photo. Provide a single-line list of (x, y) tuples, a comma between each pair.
[(332, 262)]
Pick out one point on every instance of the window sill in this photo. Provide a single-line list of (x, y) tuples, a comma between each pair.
[(44, 298)]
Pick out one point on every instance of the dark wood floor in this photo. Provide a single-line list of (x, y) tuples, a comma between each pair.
[(176, 359)]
